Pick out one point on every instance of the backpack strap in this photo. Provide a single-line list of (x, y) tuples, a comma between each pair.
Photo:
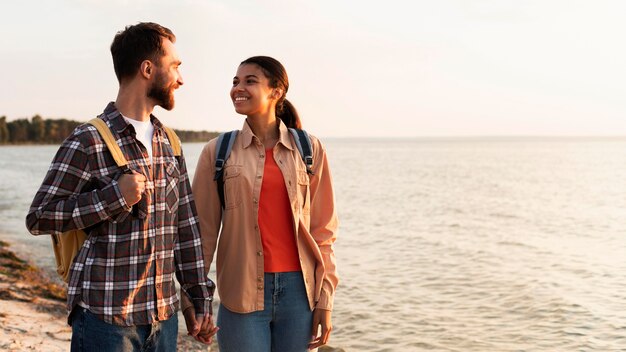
[(224, 146), (108, 138), (303, 142), (174, 140)]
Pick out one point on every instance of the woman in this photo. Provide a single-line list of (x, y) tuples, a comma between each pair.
[(276, 272)]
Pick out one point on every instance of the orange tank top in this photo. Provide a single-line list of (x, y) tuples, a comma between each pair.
[(276, 221)]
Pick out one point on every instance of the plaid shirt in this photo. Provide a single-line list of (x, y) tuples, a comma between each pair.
[(124, 273)]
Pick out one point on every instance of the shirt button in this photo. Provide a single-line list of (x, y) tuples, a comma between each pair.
[(260, 279), (261, 156), (158, 286), (255, 201), (258, 176), (260, 287), (259, 253)]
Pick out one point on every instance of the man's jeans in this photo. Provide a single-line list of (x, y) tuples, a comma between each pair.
[(92, 334), (283, 326)]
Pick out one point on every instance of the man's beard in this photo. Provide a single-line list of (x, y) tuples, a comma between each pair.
[(162, 93)]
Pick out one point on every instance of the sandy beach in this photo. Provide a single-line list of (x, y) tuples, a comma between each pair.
[(32, 310)]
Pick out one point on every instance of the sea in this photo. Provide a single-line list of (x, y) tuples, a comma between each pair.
[(448, 244)]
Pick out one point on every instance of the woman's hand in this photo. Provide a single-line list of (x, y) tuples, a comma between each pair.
[(321, 318)]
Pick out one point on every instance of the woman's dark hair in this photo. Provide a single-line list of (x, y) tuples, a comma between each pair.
[(136, 43), (277, 75)]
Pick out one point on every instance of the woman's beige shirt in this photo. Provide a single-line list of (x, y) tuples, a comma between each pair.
[(239, 265)]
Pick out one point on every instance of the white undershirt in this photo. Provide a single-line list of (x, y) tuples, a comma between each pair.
[(144, 132)]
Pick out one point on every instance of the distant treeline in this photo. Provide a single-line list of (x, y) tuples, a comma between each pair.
[(38, 130)]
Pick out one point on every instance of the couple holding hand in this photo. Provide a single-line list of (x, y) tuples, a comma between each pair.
[(271, 234)]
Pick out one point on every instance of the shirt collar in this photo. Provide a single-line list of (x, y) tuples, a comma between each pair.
[(119, 124), (283, 138), (246, 135)]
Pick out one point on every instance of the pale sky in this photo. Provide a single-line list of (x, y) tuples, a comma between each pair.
[(357, 68)]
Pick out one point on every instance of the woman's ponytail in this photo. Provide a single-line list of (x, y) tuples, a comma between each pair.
[(288, 114)]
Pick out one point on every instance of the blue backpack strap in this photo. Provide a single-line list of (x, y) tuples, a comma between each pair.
[(303, 142), (223, 148)]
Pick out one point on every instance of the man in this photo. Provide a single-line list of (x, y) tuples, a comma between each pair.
[(142, 226)]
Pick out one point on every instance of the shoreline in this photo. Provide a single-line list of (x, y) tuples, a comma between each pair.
[(32, 310), (33, 315)]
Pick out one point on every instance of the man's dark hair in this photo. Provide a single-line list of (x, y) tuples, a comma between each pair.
[(135, 44)]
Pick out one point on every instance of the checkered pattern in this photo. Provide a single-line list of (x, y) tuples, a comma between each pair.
[(125, 271)]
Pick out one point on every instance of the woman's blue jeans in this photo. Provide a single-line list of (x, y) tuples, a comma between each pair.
[(283, 326), (90, 334)]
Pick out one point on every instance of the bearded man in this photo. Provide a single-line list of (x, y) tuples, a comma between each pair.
[(141, 223)]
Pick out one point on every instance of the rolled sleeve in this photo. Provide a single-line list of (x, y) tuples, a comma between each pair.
[(201, 297), (114, 199)]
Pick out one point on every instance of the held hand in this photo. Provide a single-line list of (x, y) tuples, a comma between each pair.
[(200, 327), (321, 318), (193, 327), (207, 330), (132, 186)]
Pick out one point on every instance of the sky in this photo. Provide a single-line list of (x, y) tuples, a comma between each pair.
[(357, 68)]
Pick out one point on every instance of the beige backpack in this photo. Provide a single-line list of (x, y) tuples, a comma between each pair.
[(67, 244)]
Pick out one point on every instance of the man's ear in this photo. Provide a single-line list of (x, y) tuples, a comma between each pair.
[(146, 69)]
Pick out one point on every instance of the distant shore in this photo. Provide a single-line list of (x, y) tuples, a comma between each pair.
[(38, 130)]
